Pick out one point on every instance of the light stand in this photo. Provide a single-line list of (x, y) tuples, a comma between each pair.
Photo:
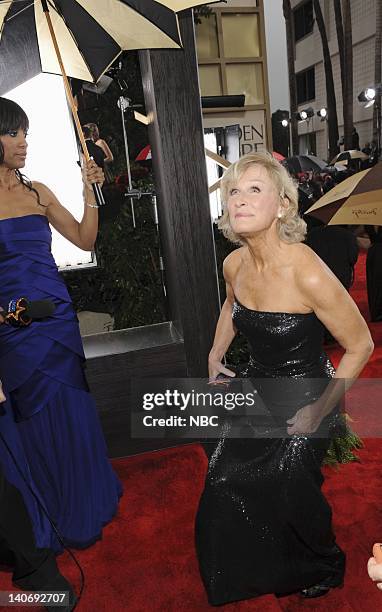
[(137, 193), (369, 97), (124, 104)]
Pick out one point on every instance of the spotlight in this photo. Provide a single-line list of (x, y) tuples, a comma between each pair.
[(305, 114), (367, 96), (285, 123), (322, 113), (370, 94)]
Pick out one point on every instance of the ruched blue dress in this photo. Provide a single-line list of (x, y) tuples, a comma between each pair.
[(49, 421)]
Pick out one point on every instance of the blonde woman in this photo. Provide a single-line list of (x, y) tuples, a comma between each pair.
[(263, 524)]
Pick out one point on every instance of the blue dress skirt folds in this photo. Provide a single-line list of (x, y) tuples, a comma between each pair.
[(49, 422)]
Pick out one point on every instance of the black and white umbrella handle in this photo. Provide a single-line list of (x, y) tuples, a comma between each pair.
[(98, 194)]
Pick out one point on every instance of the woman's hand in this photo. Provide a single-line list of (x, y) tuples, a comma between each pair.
[(306, 420), (91, 173), (215, 367)]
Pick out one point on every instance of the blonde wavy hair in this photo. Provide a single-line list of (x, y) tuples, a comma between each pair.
[(291, 227)]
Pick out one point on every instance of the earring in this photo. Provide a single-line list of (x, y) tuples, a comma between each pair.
[(279, 215)]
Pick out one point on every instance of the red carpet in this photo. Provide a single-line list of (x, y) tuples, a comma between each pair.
[(146, 560)]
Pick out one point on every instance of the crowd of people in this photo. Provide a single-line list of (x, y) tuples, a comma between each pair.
[(338, 245)]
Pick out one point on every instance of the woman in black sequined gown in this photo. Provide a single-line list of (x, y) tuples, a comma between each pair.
[(263, 524)]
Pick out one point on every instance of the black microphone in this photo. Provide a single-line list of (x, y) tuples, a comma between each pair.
[(22, 312)]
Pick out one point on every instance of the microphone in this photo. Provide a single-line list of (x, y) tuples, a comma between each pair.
[(22, 312)]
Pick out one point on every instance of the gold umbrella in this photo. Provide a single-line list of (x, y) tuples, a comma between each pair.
[(355, 201)]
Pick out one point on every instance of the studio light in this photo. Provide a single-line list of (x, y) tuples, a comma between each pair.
[(367, 96), (322, 113), (305, 114)]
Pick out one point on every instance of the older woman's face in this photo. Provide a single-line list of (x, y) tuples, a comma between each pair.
[(253, 201)]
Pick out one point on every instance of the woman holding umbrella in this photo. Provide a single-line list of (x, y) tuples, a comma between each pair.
[(41, 366)]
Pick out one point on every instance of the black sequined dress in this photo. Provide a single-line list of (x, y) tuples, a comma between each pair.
[(263, 524)]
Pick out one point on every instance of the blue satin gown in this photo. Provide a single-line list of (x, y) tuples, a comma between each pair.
[(49, 420)]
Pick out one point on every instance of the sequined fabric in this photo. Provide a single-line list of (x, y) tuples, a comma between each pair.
[(263, 524)]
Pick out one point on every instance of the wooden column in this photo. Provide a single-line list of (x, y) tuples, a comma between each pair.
[(171, 89)]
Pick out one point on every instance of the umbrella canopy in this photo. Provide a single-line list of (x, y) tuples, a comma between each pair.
[(145, 154), (344, 156), (278, 156), (304, 163), (90, 35), (355, 201)]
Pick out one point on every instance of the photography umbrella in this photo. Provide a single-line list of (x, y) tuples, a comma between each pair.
[(79, 38), (355, 201)]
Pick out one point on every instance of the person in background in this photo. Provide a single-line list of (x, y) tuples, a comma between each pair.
[(355, 139), (367, 148), (95, 151), (374, 272), (34, 569), (374, 153), (328, 183), (338, 248), (100, 142)]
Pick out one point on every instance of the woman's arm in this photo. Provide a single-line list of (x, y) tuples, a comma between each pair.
[(84, 233), (225, 329), (338, 312), (106, 149)]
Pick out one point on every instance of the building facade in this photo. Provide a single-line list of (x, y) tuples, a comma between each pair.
[(231, 53), (309, 66)]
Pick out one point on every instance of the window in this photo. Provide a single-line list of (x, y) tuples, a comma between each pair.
[(229, 46), (303, 20), (306, 87), (241, 34), (307, 144)]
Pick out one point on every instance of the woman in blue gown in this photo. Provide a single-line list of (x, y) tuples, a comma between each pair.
[(49, 422)]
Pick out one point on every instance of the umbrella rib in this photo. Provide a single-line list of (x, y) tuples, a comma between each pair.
[(154, 24), (73, 37), (19, 12)]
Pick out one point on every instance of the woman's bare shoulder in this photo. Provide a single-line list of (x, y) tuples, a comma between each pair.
[(311, 273), (40, 187), (47, 196), (232, 262), (301, 255)]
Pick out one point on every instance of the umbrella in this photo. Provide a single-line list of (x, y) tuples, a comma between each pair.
[(344, 156), (355, 201), (80, 38), (145, 154), (278, 156), (304, 163)]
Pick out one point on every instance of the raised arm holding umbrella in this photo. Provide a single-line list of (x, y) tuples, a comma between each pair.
[(52, 415), (80, 39)]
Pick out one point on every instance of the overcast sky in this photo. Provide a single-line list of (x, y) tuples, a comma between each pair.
[(276, 55)]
